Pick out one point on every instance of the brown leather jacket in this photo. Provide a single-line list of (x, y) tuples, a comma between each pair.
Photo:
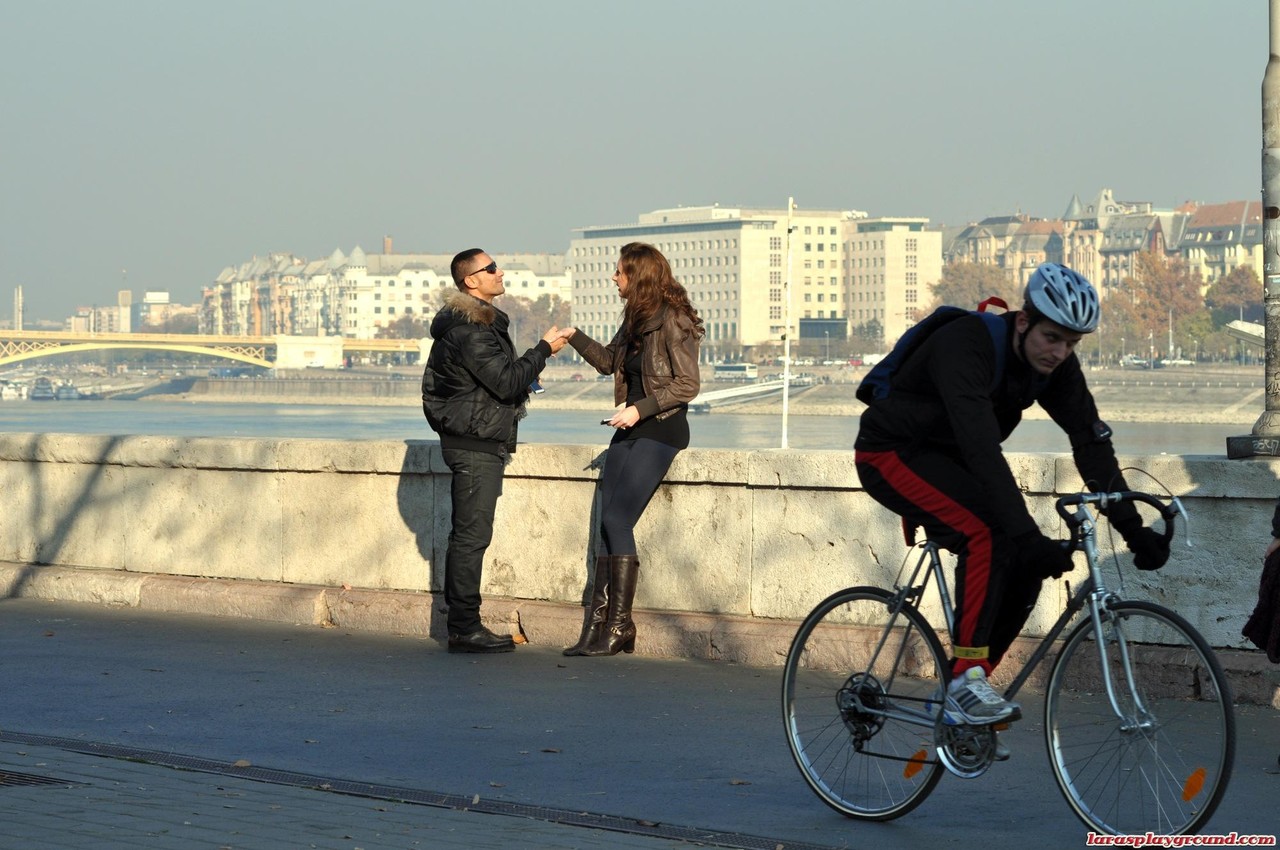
[(669, 369)]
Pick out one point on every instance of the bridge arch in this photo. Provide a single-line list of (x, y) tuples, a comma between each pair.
[(252, 355)]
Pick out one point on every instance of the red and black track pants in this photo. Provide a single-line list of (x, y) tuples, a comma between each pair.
[(937, 493)]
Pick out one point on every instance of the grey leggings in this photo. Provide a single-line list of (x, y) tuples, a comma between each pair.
[(633, 469)]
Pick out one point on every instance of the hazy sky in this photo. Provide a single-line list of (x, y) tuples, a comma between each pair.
[(175, 138)]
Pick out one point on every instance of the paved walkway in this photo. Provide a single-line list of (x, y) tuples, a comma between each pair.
[(174, 731), (96, 803)]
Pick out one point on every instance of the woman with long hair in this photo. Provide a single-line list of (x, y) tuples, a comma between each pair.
[(654, 362)]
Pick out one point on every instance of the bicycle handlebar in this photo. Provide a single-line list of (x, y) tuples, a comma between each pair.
[(1168, 512)]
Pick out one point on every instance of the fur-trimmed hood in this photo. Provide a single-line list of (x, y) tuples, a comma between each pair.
[(462, 307)]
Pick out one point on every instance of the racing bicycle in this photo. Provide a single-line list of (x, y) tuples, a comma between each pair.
[(1137, 712)]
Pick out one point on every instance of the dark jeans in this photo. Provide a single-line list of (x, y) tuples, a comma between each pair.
[(476, 486), (633, 469)]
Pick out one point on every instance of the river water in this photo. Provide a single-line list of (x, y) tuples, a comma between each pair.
[(351, 422)]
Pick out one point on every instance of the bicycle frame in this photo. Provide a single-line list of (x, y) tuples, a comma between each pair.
[(1092, 593)]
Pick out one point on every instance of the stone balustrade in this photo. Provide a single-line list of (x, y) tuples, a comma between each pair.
[(735, 547)]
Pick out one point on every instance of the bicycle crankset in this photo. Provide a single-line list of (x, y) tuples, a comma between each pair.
[(966, 751)]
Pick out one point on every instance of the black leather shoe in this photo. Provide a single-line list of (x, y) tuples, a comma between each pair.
[(481, 640)]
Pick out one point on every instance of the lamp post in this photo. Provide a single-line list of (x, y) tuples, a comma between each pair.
[(826, 339)]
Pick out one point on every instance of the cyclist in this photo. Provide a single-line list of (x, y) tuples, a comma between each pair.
[(930, 452)]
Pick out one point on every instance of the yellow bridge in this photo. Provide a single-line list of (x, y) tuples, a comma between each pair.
[(16, 346)]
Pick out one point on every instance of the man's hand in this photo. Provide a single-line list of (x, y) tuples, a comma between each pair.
[(1042, 556), (556, 338)]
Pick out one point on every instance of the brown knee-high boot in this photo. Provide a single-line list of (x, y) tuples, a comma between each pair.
[(619, 634), (597, 611)]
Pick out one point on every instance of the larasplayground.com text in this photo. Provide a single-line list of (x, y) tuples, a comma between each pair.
[(1231, 839)]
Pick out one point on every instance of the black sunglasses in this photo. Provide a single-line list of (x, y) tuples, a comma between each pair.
[(492, 268)]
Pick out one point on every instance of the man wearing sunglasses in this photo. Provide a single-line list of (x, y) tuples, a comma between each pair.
[(474, 390)]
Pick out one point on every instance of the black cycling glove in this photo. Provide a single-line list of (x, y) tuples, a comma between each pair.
[(1042, 556), (1150, 549)]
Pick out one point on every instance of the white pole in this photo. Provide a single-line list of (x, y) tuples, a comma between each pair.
[(786, 333)]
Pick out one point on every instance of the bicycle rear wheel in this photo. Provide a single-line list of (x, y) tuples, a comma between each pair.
[(1164, 765), (852, 676)]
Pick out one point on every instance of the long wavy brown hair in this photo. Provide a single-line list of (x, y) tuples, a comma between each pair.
[(650, 285)]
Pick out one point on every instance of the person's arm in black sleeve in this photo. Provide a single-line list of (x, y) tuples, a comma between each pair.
[(1069, 402), (507, 380)]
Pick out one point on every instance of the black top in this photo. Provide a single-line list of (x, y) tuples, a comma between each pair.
[(673, 430)]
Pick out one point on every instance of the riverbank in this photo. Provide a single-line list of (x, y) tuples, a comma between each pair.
[(1227, 397)]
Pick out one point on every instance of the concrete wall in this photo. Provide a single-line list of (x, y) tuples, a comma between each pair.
[(734, 543)]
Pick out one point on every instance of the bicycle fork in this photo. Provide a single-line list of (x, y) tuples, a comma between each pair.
[(1101, 615)]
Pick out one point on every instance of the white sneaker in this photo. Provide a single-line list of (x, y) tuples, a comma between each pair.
[(971, 700)]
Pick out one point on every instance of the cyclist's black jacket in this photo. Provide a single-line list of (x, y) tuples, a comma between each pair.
[(941, 399)]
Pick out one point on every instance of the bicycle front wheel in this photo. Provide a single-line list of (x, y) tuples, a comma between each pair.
[(1158, 756), (858, 689)]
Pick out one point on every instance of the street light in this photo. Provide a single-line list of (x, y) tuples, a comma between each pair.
[(826, 338)]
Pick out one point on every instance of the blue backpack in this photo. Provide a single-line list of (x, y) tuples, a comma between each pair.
[(875, 385)]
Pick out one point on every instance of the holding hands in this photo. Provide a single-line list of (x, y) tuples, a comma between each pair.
[(557, 337)]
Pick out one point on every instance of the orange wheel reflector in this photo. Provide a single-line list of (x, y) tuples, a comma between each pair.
[(1194, 784), (915, 765)]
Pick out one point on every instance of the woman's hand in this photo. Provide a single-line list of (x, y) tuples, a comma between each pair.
[(625, 418)]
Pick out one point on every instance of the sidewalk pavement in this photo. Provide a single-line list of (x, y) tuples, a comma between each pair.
[(177, 731)]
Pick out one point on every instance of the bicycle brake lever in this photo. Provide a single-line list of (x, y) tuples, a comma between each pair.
[(1186, 521)]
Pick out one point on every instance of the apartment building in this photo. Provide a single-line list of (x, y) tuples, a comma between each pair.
[(354, 295), (891, 266), (1103, 238), (1220, 238), (732, 261)]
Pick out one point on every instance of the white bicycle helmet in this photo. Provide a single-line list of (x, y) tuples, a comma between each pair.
[(1063, 296)]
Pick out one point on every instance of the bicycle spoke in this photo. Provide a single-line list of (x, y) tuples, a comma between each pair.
[(849, 686), (1163, 770)]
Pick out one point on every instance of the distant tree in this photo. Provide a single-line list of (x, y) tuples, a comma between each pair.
[(869, 336), (408, 326), (1236, 295), (968, 284), (184, 323), (531, 319), (527, 316), (1160, 289)]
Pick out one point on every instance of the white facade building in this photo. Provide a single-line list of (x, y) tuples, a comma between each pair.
[(733, 262), (355, 295), (890, 267)]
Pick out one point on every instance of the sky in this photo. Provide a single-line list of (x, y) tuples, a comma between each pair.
[(149, 145)]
